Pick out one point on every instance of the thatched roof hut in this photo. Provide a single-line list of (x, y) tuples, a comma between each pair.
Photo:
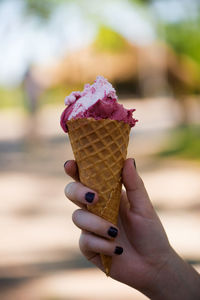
[(147, 70)]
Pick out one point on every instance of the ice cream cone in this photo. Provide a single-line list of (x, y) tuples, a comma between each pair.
[(100, 148)]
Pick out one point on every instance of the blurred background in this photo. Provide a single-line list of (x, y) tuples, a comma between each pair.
[(150, 51)]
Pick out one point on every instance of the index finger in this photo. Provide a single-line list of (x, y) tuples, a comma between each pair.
[(71, 169)]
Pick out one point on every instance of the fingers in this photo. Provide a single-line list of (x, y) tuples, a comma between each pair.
[(75, 191), (71, 169), (90, 244), (136, 193), (98, 236), (79, 194), (89, 222)]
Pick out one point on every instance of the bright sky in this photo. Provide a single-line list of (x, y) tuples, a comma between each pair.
[(25, 40)]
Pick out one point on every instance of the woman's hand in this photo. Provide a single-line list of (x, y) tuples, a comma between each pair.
[(141, 254)]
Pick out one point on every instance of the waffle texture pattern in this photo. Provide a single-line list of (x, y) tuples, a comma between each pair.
[(100, 148)]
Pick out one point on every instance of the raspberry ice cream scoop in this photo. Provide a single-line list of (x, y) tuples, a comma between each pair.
[(97, 101)]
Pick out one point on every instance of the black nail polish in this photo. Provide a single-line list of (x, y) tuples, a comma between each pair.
[(118, 250), (89, 197), (112, 231), (134, 163), (66, 163)]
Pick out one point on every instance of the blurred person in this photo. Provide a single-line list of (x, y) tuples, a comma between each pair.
[(32, 91), (142, 256)]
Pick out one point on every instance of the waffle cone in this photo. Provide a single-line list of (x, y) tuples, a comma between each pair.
[(100, 148)]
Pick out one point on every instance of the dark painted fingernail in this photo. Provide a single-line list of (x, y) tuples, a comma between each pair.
[(112, 231), (134, 163), (118, 250), (66, 163), (89, 197)]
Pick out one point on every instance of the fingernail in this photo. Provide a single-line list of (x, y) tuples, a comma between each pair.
[(118, 250), (89, 197), (66, 163), (112, 231), (134, 163)]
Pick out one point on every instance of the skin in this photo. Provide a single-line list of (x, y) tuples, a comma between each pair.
[(148, 262)]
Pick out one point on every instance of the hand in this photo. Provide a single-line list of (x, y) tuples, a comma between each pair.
[(147, 257)]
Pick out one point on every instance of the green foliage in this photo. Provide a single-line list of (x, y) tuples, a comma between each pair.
[(57, 94), (42, 8), (184, 143), (108, 40), (143, 2), (184, 37), (11, 97)]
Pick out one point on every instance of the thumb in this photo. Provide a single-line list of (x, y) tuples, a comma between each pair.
[(136, 193)]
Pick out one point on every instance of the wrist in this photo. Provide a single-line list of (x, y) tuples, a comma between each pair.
[(175, 280)]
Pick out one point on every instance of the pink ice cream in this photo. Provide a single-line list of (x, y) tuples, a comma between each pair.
[(98, 101)]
